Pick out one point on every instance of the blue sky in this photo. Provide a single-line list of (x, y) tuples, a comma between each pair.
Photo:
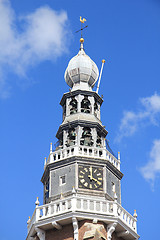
[(37, 39)]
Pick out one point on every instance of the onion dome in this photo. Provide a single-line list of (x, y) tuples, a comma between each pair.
[(82, 72)]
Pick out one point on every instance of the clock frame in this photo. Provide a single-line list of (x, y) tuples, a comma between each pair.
[(90, 177)]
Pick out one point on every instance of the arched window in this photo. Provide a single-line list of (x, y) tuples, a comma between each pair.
[(85, 105), (86, 138), (71, 137), (73, 106)]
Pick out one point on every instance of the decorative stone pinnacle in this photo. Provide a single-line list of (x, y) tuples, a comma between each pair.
[(45, 162), (135, 214), (37, 202), (118, 155), (61, 197), (29, 219), (73, 190), (51, 147)]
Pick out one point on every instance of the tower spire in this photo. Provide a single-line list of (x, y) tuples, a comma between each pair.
[(82, 160)]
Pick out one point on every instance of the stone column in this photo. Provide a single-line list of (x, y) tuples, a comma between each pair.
[(99, 111), (91, 99), (64, 138), (79, 99), (68, 106), (79, 134), (94, 136)]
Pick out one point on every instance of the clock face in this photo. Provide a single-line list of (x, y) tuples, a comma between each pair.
[(90, 177)]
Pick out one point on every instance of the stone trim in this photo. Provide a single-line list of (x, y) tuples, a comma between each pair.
[(56, 225), (110, 229), (75, 228), (40, 233)]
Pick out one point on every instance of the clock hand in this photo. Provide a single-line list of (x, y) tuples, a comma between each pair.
[(92, 178), (91, 173), (96, 180)]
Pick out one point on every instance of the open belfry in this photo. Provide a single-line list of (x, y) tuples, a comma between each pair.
[(82, 177)]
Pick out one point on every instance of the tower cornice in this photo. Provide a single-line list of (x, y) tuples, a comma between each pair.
[(82, 123), (77, 159), (83, 92)]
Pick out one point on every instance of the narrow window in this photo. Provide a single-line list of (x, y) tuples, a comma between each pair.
[(62, 180), (85, 105), (113, 187)]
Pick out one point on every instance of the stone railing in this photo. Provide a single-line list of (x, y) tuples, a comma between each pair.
[(84, 151), (80, 204), (127, 217)]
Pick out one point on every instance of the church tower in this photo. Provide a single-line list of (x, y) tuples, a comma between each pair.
[(82, 177)]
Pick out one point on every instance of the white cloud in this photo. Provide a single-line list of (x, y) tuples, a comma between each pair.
[(149, 113), (152, 168), (41, 35), (152, 103)]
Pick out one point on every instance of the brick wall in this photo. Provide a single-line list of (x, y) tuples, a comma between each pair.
[(66, 233), (84, 226)]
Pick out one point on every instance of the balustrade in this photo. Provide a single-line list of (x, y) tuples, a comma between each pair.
[(127, 217), (83, 151), (80, 204)]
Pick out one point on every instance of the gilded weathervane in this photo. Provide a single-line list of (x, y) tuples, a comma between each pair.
[(82, 20)]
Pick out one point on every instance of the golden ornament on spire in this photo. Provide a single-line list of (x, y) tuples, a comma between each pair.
[(81, 40)]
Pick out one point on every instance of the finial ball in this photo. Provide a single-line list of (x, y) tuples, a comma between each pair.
[(81, 40)]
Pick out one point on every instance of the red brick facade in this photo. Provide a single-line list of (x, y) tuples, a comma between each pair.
[(66, 233)]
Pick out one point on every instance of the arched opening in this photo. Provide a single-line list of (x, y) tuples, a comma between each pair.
[(73, 106), (86, 138), (85, 105), (71, 137)]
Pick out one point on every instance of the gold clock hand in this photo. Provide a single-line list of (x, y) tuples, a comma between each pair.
[(91, 176), (96, 180)]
